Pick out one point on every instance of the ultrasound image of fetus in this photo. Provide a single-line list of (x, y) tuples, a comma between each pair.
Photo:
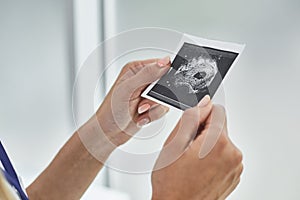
[(197, 74), (196, 71)]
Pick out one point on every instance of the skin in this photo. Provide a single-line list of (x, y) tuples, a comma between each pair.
[(75, 167), (82, 157), (213, 176)]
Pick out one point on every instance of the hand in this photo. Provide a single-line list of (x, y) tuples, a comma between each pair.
[(211, 174), (124, 111), (121, 114)]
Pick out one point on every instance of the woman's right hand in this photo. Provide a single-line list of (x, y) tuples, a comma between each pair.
[(209, 165)]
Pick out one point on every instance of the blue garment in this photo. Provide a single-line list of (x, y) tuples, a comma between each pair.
[(10, 173)]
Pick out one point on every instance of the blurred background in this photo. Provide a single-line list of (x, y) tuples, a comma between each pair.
[(43, 44)]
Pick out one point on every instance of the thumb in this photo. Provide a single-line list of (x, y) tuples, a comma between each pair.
[(184, 133), (216, 126), (148, 74), (187, 127)]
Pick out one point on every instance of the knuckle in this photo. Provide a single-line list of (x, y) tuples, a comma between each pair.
[(238, 156), (223, 142), (235, 158), (150, 71), (130, 64), (127, 66), (241, 169)]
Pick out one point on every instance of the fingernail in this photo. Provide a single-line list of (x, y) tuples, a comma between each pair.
[(143, 122), (204, 101), (163, 61), (143, 108)]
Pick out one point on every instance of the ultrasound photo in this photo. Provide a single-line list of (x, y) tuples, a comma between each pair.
[(195, 72)]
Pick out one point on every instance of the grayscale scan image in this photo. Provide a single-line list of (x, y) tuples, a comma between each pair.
[(195, 72)]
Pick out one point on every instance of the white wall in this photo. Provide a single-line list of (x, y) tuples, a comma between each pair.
[(262, 93), (35, 81)]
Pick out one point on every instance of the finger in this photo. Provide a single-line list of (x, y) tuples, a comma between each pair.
[(147, 75), (132, 68), (183, 134), (135, 66), (145, 105), (215, 126), (152, 115), (142, 63), (187, 127)]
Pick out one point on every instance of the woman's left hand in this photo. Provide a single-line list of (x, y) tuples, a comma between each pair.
[(124, 111)]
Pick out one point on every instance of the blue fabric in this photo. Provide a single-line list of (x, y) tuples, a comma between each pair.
[(10, 173)]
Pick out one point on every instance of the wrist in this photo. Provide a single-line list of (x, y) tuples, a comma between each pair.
[(95, 140), (110, 127)]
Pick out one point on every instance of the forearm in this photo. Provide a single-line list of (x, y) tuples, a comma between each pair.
[(74, 167)]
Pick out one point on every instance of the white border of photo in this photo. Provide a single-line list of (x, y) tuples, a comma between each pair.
[(186, 38)]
